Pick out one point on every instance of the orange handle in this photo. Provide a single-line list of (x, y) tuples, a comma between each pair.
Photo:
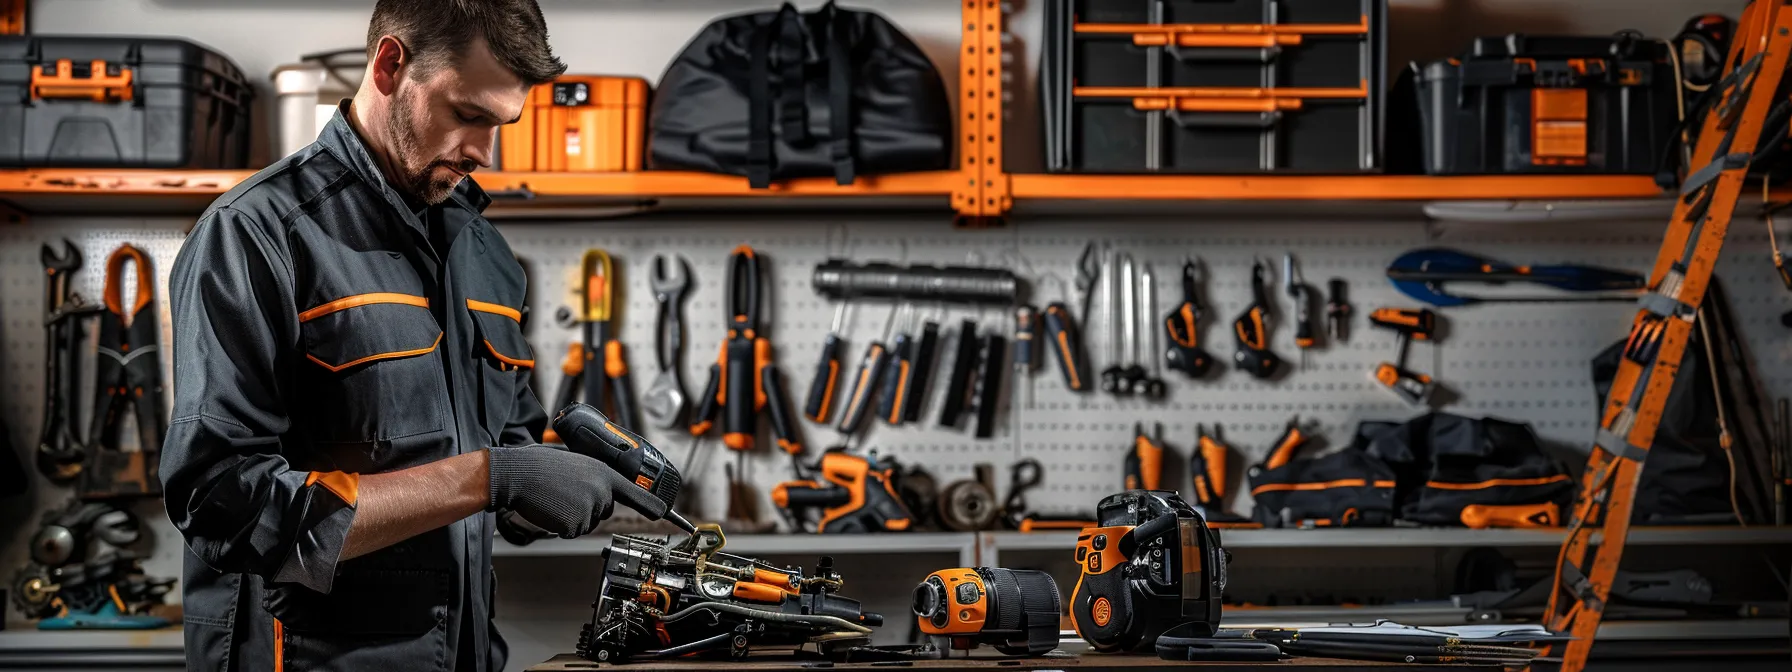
[(59, 82), (1482, 516)]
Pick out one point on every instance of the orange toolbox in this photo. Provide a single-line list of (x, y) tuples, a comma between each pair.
[(579, 123)]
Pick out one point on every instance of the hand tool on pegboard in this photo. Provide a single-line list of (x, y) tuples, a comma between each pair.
[(1088, 271), (1132, 375), (841, 280), (60, 451), (1208, 467), (920, 374), (664, 402), (1144, 465), (128, 371), (744, 382), (1424, 273), (867, 381), (898, 368), (992, 356), (1026, 349), (597, 368), (1632, 411), (1287, 446), (819, 406), (1306, 336), (1065, 341), (1412, 324), (1183, 325), (1337, 310), (1113, 378), (1023, 475), (1252, 329), (959, 381), (1151, 384), (854, 495)]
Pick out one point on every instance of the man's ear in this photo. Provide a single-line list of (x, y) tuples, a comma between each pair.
[(389, 60)]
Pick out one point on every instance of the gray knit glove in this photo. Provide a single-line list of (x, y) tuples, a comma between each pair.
[(557, 490)]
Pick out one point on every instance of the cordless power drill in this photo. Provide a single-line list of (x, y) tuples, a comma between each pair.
[(587, 432)]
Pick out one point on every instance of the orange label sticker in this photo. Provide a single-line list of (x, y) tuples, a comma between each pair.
[(1103, 611)]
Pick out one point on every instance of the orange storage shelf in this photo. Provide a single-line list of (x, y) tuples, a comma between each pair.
[(670, 184), (1332, 187), (60, 181)]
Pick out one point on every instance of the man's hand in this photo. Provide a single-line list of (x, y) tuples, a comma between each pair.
[(557, 490)]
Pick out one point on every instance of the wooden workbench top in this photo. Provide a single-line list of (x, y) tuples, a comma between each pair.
[(567, 662)]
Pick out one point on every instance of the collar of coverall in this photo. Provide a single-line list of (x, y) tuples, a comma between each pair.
[(340, 138)]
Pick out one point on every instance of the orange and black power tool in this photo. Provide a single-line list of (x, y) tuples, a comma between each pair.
[(1152, 567), (855, 495), (1014, 610)]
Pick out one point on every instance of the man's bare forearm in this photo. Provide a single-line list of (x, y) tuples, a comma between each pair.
[(395, 506)]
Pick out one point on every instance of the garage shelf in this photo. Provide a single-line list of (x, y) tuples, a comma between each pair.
[(187, 192), (23, 646)]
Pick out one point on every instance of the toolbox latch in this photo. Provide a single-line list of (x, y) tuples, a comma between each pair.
[(98, 81)]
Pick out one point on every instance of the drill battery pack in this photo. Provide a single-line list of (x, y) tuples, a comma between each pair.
[(579, 123)]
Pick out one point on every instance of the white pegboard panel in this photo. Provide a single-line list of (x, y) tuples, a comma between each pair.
[(1526, 363)]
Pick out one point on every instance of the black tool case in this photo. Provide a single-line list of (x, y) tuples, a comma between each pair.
[(1535, 104), (120, 102), (1213, 86)]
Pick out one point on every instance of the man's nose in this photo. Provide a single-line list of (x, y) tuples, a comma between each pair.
[(478, 148)]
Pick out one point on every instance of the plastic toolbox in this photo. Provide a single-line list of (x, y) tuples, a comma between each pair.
[(1214, 86), (120, 102), (579, 123), (1533, 104)]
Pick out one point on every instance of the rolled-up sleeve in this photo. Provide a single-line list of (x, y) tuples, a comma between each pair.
[(227, 484)]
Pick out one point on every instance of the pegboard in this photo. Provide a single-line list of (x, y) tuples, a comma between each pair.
[(1520, 362)]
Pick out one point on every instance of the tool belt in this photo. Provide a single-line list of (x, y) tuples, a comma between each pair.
[(1347, 488), (1452, 470)]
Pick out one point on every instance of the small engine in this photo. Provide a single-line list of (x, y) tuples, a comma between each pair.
[(661, 600)]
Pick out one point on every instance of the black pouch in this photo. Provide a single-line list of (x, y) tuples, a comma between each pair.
[(1446, 463), (1348, 488), (777, 95)]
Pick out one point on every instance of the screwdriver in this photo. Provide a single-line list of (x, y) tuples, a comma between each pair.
[(827, 372), (896, 373), (1252, 331), (1145, 463), (871, 370), (1296, 286), (1067, 342), (1026, 330)]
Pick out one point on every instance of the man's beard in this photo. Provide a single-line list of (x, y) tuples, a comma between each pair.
[(419, 183)]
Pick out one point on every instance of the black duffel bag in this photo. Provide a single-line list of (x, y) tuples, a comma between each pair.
[(1448, 463), (777, 95)]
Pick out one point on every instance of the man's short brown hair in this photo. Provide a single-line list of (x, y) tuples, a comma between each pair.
[(437, 32)]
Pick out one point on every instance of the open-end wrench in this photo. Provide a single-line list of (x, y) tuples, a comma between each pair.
[(1152, 384), (664, 402), (1132, 378)]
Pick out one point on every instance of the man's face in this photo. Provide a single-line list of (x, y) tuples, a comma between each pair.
[(442, 124)]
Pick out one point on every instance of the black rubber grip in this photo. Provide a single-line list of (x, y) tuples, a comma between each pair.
[(805, 497), (739, 416), (896, 379), (777, 407), (820, 404), (706, 402), (958, 382), (993, 350), (920, 374)]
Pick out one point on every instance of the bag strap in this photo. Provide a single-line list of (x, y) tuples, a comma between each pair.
[(793, 96), (759, 100), (839, 96)]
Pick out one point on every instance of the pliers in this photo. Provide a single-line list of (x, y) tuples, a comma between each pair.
[(598, 365)]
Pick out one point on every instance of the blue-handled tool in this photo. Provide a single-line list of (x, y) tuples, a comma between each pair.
[(1422, 274)]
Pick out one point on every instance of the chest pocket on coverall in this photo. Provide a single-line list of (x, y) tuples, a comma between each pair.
[(505, 356)]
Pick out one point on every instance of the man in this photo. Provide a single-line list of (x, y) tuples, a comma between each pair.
[(351, 379)]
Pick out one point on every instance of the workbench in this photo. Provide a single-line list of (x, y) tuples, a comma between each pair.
[(567, 662)]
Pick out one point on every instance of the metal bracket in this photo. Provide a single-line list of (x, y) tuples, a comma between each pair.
[(983, 196)]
